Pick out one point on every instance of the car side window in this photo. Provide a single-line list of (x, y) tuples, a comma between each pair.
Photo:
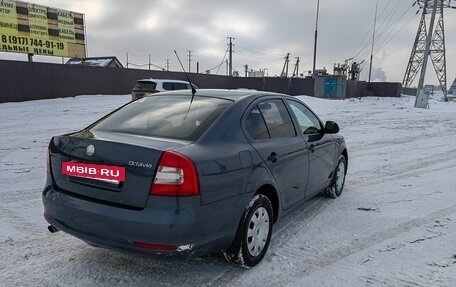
[(180, 86), (277, 118), (308, 122), (168, 86), (255, 125)]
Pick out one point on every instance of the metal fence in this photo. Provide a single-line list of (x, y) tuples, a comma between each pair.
[(23, 81)]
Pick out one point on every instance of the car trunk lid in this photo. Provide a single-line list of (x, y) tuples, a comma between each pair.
[(136, 156)]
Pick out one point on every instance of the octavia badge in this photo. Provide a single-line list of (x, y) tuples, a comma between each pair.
[(90, 150)]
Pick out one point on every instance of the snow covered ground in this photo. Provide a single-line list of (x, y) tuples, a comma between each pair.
[(394, 225)]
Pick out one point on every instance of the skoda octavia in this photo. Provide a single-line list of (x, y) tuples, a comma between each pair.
[(182, 174)]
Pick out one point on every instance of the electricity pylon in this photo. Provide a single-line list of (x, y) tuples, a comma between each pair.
[(437, 50)]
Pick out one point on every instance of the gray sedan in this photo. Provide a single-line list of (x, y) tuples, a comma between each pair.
[(182, 174)]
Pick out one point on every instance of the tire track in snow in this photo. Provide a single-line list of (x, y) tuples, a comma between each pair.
[(405, 168), (308, 265), (380, 143), (25, 223), (7, 151)]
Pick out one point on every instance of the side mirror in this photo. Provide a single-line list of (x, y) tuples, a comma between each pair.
[(331, 127)]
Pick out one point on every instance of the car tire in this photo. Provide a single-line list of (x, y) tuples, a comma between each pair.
[(338, 182), (254, 233)]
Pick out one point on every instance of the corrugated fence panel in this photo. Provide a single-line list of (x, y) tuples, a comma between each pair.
[(23, 81)]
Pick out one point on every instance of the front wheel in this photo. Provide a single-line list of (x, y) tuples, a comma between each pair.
[(337, 185), (254, 233)]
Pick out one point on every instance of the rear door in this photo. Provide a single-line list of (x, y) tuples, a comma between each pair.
[(273, 135), (321, 146)]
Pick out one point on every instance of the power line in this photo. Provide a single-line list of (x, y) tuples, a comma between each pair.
[(149, 62), (221, 63), (138, 56), (390, 37), (208, 56), (382, 38), (259, 57), (368, 32), (218, 45), (384, 28), (257, 50)]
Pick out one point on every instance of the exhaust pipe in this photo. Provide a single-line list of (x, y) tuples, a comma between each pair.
[(53, 229)]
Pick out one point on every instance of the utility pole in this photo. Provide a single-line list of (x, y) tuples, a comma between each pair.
[(189, 59), (149, 62), (127, 61), (316, 37), (296, 68), (231, 56), (285, 66), (421, 100), (167, 64), (373, 42), (197, 67), (246, 67), (227, 67)]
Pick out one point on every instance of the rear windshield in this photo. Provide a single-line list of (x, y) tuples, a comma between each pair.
[(165, 117), (145, 85)]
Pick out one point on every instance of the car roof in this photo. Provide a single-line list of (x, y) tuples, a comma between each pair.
[(233, 95), (162, 80)]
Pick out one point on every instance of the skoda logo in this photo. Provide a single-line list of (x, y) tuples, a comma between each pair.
[(90, 150)]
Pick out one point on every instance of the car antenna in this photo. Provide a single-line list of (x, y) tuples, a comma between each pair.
[(188, 79)]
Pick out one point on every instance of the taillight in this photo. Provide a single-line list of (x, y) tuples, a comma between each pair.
[(176, 176)]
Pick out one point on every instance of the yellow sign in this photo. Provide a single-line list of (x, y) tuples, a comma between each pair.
[(35, 29), (38, 23)]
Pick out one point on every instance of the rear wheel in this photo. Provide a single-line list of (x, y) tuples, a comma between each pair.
[(337, 185), (254, 233)]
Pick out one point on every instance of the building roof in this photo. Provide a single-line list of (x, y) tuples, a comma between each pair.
[(96, 62)]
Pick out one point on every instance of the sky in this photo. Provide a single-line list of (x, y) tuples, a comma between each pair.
[(264, 32)]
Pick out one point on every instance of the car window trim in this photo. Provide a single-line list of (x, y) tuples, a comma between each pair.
[(295, 120), (254, 104)]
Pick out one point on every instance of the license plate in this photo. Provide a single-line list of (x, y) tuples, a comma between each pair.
[(95, 171)]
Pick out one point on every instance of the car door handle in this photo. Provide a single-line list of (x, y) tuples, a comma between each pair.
[(272, 157), (312, 148)]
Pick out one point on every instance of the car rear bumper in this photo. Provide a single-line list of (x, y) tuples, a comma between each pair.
[(190, 228)]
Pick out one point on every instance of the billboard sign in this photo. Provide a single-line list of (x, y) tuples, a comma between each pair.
[(35, 29)]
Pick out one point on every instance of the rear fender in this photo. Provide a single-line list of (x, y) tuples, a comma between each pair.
[(260, 176)]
